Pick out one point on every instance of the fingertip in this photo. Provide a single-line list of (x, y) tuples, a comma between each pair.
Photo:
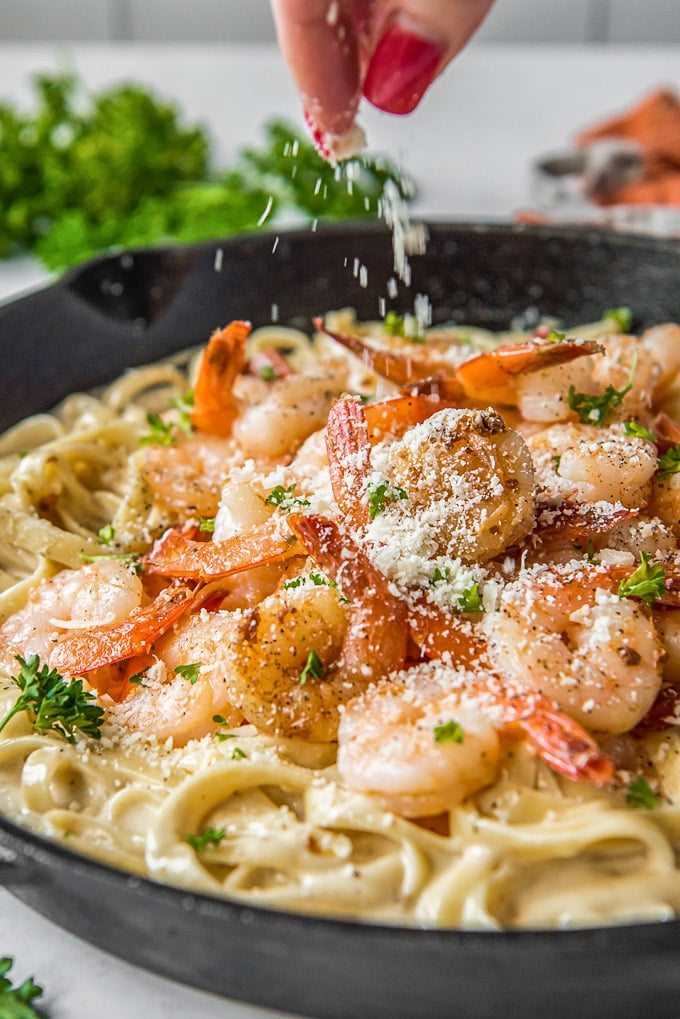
[(319, 43)]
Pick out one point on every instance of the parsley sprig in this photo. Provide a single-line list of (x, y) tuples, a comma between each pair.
[(314, 668), (56, 705), (164, 432), (669, 462), (17, 1002), (405, 326), (638, 431), (189, 672), (648, 582), (621, 317), (120, 166), (596, 409)]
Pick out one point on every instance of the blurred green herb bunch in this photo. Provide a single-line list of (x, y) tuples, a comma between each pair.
[(81, 173)]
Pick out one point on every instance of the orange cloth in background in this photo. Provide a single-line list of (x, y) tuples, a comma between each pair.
[(654, 124)]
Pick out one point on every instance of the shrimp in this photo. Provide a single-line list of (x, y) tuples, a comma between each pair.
[(276, 417), (304, 651), (566, 635), (468, 482), (184, 479), (215, 409), (594, 464), (166, 704), (665, 500), (425, 739), (73, 602), (463, 482)]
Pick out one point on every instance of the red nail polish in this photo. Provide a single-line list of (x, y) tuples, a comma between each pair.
[(318, 137), (402, 67)]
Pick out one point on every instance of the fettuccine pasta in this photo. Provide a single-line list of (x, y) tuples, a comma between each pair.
[(382, 623)]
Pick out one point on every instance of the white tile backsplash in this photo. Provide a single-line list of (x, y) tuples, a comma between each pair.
[(529, 21), (201, 20), (524, 21), (651, 21), (38, 20)]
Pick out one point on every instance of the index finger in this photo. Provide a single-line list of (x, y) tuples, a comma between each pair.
[(320, 44)]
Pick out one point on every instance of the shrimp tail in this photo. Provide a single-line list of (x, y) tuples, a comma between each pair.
[(416, 403), (377, 638), (485, 377), (437, 633), (177, 555), (215, 408), (566, 746), (348, 458), (84, 651), (398, 368)]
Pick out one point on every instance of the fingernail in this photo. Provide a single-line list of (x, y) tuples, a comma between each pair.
[(335, 147), (319, 137), (402, 67)]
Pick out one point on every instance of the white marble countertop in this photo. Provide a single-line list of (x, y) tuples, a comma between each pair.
[(469, 148)]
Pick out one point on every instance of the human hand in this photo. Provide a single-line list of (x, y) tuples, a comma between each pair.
[(389, 51)]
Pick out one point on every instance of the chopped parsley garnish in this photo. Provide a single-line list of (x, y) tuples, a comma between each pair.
[(313, 668), (316, 578), (238, 755), (16, 1002), (470, 600), (56, 705), (595, 409), (220, 719), (206, 524), (405, 326), (190, 672), (285, 498), (380, 494), (106, 534), (622, 317), (393, 324), (267, 373), (209, 836), (555, 337), (440, 576), (321, 580), (669, 462), (184, 404), (137, 679), (556, 463), (640, 795), (161, 433), (638, 431), (449, 732), (648, 582)]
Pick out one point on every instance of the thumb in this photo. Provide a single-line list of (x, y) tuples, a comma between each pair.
[(415, 40)]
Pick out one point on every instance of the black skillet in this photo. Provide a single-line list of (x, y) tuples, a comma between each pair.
[(125, 310)]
